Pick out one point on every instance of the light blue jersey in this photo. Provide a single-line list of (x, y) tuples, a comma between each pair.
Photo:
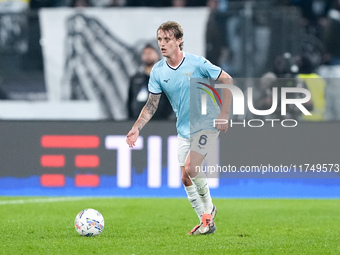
[(175, 82)]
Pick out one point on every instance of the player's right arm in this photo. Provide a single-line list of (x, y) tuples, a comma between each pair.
[(145, 115)]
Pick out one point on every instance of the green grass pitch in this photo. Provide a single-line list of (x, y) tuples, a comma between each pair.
[(159, 226)]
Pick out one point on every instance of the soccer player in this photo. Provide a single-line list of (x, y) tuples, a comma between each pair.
[(172, 75)]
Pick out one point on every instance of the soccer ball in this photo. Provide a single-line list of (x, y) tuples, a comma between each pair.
[(89, 222)]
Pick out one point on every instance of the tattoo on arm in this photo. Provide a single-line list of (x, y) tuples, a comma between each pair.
[(152, 103), (148, 110)]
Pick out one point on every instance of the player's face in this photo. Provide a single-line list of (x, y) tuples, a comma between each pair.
[(167, 43)]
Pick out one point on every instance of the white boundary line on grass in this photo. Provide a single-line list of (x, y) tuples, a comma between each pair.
[(41, 200)]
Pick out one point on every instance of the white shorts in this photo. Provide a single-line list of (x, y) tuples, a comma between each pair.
[(199, 142)]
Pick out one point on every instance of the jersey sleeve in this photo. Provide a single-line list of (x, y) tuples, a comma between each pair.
[(209, 70), (154, 85)]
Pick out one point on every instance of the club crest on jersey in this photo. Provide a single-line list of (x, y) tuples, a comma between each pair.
[(188, 75)]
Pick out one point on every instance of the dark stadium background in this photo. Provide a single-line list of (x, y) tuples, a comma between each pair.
[(243, 37)]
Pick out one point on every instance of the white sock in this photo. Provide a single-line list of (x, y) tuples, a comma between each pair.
[(195, 200), (202, 188)]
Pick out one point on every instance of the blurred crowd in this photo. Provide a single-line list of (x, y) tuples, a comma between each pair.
[(313, 61), (34, 4), (316, 64)]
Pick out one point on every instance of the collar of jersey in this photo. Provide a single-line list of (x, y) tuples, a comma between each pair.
[(175, 68)]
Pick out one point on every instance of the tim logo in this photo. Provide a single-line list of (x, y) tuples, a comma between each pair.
[(55, 162)]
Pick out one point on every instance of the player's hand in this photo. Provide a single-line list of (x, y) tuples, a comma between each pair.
[(223, 127), (132, 136)]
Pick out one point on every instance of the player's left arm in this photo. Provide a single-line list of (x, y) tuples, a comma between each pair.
[(225, 78)]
